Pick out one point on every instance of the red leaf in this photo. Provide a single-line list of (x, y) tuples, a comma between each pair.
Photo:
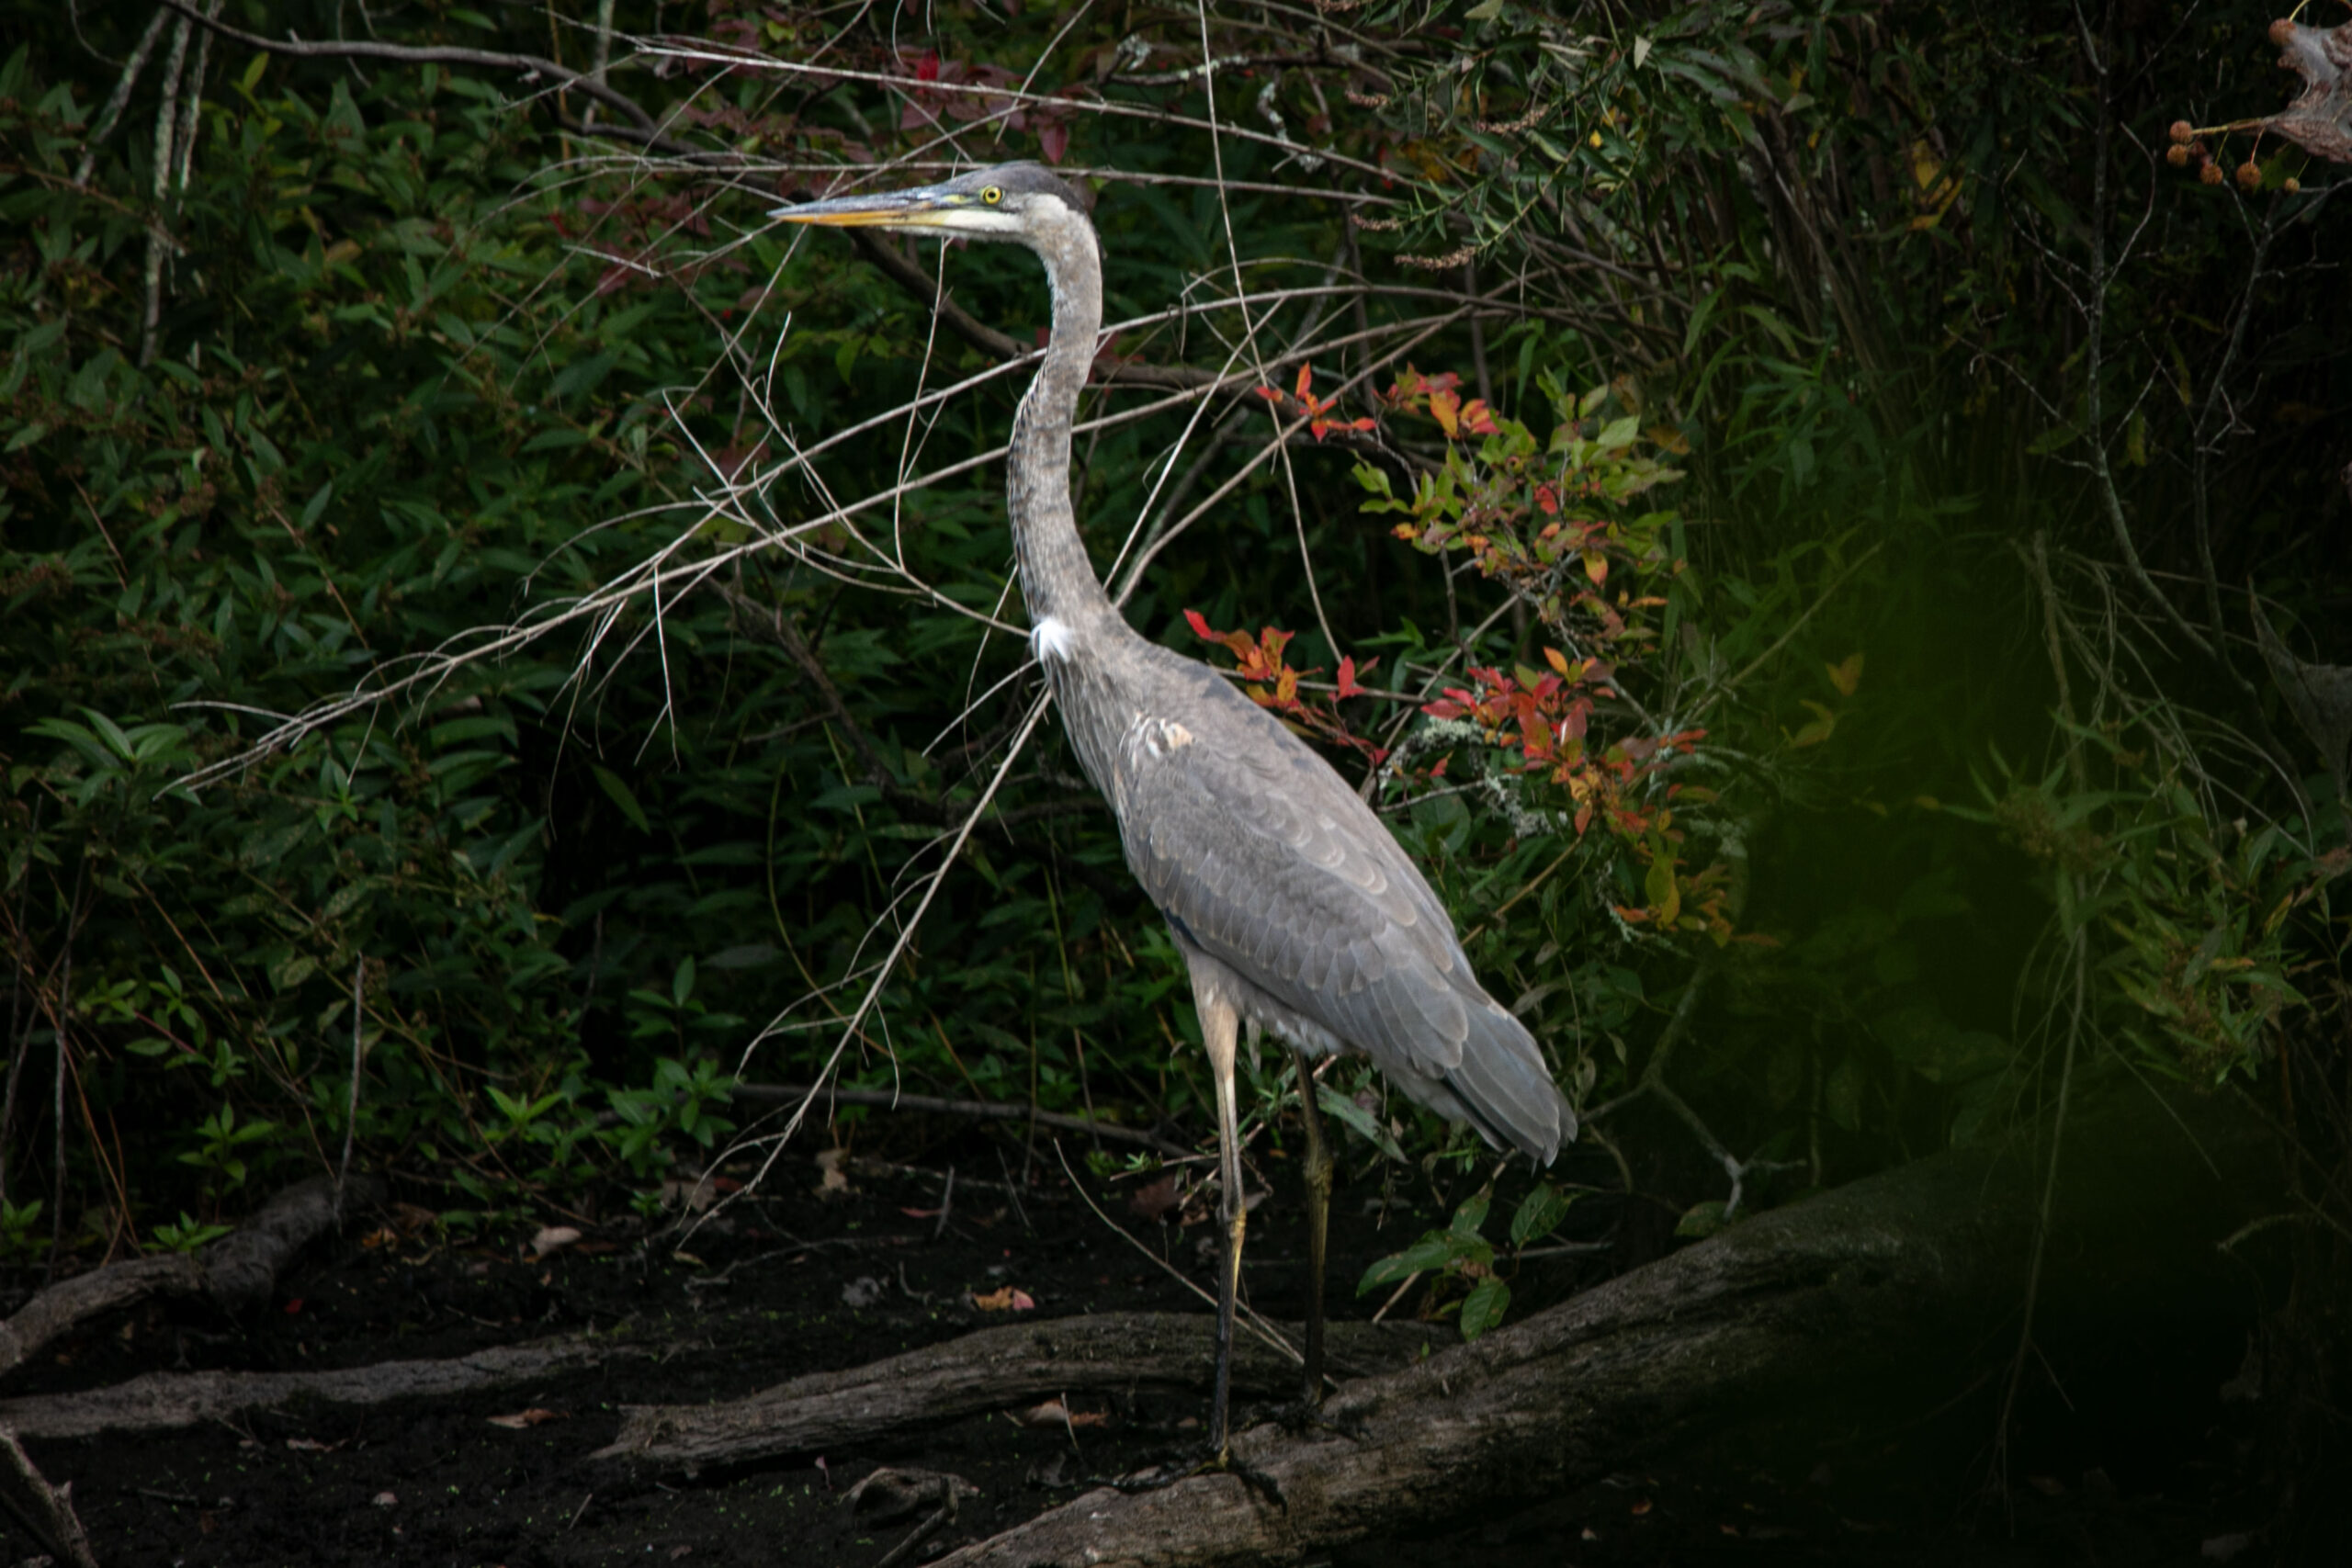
[(1053, 139), (1200, 625), (1306, 381), (1348, 687)]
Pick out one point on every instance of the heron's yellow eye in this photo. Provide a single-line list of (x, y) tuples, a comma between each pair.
[(992, 195)]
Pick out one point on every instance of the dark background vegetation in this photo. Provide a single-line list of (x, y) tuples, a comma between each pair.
[(456, 410)]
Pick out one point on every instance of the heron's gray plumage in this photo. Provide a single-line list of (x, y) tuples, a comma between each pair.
[(1265, 861), (1293, 905)]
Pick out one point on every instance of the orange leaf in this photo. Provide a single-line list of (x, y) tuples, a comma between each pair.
[(1825, 723), (1446, 408), (1847, 675), (1306, 381), (1005, 1299), (1557, 660)]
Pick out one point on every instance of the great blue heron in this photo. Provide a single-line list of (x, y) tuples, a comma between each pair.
[(1293, 906)]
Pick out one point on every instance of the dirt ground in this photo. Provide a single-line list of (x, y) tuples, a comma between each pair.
[(793, 1280)]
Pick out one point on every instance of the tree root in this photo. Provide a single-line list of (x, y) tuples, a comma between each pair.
[(236, 1273)]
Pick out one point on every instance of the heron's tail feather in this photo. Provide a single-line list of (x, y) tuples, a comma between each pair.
[(1506, 1090)]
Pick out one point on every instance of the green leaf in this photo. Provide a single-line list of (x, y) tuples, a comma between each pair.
[(1702, 1220), (1357, 1120), (1433, 1251), (1471, 1217), (111, 732), (1659, 887), (1483, 1307), (1540, 1214), (622, 796), (292, 970)]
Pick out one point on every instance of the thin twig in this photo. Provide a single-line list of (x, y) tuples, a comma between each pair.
[(350, 1110), (1246, 1313), (973, 1110), (587, 83)]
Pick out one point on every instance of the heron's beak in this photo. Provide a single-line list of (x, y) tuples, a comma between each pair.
[(926, 206)]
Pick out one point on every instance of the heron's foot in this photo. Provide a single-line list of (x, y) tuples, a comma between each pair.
[(1207, 1462)]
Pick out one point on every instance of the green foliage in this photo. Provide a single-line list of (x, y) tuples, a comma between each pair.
[(18, 1237), (2199, 916), (1461, 1259), (187, 1235)]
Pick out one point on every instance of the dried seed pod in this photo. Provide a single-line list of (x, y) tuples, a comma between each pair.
[(2281, 31), (2183, 133), (2291, 184), (2210, 173), (2177, 156), (2249, 176)]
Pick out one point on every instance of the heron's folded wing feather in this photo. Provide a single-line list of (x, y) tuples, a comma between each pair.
[(1275, 867)]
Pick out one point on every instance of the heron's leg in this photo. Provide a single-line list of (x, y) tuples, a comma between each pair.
[(1318, 1222), (1219, 1025)]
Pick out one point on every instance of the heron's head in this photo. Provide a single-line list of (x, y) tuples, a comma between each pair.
[(1020, 202)]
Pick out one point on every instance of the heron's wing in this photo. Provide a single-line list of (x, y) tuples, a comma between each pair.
[(1272, 864)]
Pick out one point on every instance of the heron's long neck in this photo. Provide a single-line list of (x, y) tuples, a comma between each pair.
[(1057, 579)]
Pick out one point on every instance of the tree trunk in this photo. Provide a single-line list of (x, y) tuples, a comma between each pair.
[(1906, 1273)]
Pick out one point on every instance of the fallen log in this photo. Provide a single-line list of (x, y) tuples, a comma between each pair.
[(236, 1272), (1827, 1299), (984, 1371), (162, 1402)]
